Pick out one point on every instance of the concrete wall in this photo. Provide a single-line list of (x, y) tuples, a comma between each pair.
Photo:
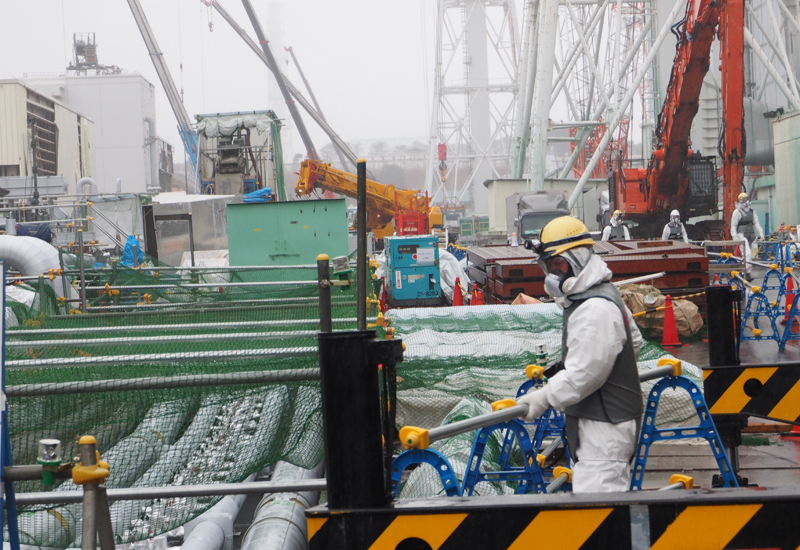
[(118, 104), (787, 167)]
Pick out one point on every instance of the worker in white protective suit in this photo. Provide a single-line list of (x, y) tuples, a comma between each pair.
[(598, 388), (675, 230), (616, 230), (744, 226)]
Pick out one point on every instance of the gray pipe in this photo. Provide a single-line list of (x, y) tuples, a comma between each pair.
[(151, 137), (280, 522)]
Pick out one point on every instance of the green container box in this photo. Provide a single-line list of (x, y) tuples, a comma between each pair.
[(286, 233), (467, 226)]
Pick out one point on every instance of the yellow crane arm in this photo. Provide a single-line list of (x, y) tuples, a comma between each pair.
[(380, 198)]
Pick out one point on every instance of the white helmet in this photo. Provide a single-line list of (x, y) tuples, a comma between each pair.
[(675, 217)]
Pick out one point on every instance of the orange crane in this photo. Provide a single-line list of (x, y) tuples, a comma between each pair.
[(407, 209), (646, 195)]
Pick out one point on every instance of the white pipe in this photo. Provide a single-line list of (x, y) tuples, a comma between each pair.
[(775, 76), (781, 48), (31, 257), (280, 520), (548, 23), (152, 143), (83, 182), (119, 186), (612, 127), (214, 529), (640, 279)]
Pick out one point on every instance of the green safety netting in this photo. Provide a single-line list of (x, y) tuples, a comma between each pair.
[(188, 435)]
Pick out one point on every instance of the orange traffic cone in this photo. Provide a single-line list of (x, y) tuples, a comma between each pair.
[(716, 280), (477, 298), (670, 337), (789, 297), (458, 298)]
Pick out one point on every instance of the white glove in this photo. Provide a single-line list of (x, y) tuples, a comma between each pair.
[(537, 404)]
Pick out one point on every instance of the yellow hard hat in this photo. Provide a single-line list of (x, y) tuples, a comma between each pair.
[(617, 213), (742, 196), (561, 235)]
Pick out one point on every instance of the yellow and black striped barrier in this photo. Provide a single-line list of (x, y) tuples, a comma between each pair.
[(657, 520), (768, 391)]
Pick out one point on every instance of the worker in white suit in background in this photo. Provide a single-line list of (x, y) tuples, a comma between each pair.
[(744, 227)]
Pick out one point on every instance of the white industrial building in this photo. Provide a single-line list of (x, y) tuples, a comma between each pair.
[(64, 145), (123, 109)]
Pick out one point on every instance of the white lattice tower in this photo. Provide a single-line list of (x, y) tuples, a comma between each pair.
[(475, 90)]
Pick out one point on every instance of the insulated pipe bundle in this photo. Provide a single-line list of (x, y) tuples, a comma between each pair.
[(280, 522), (124, 514), (60, 527), (227, 452)]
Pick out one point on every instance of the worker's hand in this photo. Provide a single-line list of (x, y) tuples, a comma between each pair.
[(537, 404)]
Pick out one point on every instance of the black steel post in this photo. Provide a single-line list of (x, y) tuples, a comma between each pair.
[(361, 232), (722, 312), (191, 236), (34, 167), (724, 325), (323, 276), (351, 412)]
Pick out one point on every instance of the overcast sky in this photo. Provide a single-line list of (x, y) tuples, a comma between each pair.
[(369, 62)]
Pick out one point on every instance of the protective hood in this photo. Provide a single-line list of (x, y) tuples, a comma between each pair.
[(592, 272), (744, 207), (614, 222)]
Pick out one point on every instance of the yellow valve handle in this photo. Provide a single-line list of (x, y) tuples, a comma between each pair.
[(787, 269), (540, 460), (688, 481), (413, 437), (534, 371), (773, 267), (558, 471), (677, 368), (774, 304), (503, 404), (757, 332), (734, 273), (756, 289), (390, 331)]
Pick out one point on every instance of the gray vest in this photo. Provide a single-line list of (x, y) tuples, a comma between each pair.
[(620, 398), (617, 233), (746, 227), (676, 232)]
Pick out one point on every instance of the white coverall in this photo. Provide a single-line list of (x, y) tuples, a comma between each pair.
[(737, 215), (607, 231), (596, 335), (666, 232)]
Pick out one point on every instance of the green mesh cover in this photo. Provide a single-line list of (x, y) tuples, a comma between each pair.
[(457, 361)]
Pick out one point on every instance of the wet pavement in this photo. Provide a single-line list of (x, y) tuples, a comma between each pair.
[(766, 459)]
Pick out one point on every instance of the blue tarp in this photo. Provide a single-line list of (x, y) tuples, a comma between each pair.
[(262, 195), (39, 231), (127, 253)]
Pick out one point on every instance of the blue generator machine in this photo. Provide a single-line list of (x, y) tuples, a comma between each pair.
[(412, 265)]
